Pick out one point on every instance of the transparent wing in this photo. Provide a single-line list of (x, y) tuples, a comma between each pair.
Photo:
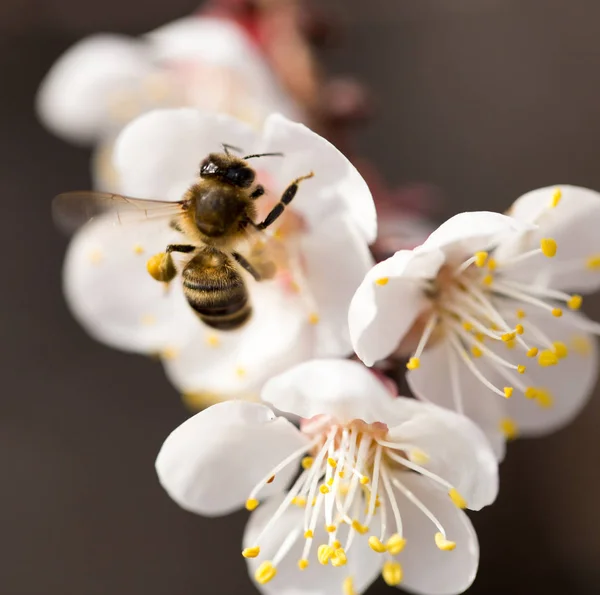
[(71, 210)]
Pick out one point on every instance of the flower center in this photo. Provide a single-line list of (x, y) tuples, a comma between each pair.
[(351, 476)]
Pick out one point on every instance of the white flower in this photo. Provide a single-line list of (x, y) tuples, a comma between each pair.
[(106, 80), (382, 483), (320, 242), (478, 306)]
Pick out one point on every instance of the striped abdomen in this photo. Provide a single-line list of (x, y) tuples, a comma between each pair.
[(215, 290)]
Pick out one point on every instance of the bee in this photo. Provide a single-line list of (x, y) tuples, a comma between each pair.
[(214, 215)]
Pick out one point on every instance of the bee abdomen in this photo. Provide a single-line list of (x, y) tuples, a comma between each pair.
[(216, 293)]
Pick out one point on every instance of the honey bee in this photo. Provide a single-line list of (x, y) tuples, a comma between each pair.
[(214, 215)]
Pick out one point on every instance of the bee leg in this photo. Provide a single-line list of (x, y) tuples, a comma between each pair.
[(286, 199), (246, 265), (257, 192), (184, 248)]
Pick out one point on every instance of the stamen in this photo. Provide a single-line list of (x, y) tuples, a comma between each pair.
[(454, 380), (395, 544), (509, 428), (392, 573), (443, 543), (548, 247), (265, 573), (251, 552), (414, 361), (407, 463), (387, 483), (376, 545), (348, 586), (556, 198)]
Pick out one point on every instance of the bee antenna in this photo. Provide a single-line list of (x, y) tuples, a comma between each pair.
[(262, 155), (226, 148)]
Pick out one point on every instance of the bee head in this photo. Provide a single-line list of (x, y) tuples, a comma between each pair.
[(228, 169)]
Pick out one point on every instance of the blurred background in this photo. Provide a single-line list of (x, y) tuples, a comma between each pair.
[(484, 99)]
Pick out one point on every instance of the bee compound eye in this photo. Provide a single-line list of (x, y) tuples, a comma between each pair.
[(240, 176)]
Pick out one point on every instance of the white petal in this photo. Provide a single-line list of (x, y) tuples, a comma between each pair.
[(570, 382), (211, 462), (336, 258), (237, 363), (457, 449), (573, 224), (363, 564), (432, 381), (111, 293), (74, 100), (380, 315), (467, 233), (158, 155), (343, 389), (336, 188), (427, 569)]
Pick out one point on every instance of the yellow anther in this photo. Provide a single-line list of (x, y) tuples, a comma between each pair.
[(547, 358), (509, 428), (457, 498), (330, 528), (392, 573), (161, 267), (336, 544), (148, 320), (169, 353), (506, 337), (251, 552), (364, 480), (419, 457), (593, 262), (395, 544), (240, 372), (324, 554), (467, 326), (557, 312), (548, 247), (330, 481), (413, 363), (376, 545), (511, 344), (519, 329), (348, 586), (313, 318), (530, 392), (265, 573), (556, 198), (138, 249), (332, 462), (339, 557), (308, 534), (508, 391), (476, 351), (480, 258), (307, 462), (444, 544), (574, 302), (299, 501), (492, 264), (521, 314), (303, 564), (560, 349), (382, 280), (581, 344), (488, 280), (314, 501), (359, 528), (212, 340), (479, 337), (251, 503), (341, 474), (494, 326), (324, 489), (544, 398), (532, 352), (521, 369)]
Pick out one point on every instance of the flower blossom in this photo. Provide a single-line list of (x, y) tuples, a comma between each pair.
[(382, 483), (483, 309), (106, 80), (319, 246)]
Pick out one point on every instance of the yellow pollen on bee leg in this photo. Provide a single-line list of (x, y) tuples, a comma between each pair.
[(413, 363), (138, 249), (303, 564), (376, 545), (581, 344), (251, 552), (593, 262), (520, 314), (95, 256), (560, 349), (508, 391), (382, 281), (212, 340), (348, 586), (509, 428), (521, 369), (251, 504), (557, 312), (265, 573), (556, 198), (480, 258), (148, 319), (548, 247), (392, 573), (532, 352), (574, 302), (395, 544), (458, 500), (444, 544), (547, 358)]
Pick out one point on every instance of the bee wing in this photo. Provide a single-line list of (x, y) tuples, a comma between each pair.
[(71, 210)]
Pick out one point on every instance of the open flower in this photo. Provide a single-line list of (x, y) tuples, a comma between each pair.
[(106, 80), (319, 245), (381, 486), (481, 309)]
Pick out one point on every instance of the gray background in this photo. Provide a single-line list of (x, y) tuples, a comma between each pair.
[(486, 99)]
